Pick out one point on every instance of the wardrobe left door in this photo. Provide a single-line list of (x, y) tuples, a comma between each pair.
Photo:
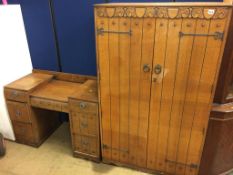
[(125, 48)]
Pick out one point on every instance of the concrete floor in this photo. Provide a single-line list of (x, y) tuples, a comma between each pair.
[(54, 157)]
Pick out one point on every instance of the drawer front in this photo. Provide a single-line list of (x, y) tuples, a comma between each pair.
[(18, 111), (23, 132), (16, 95), (85, 144), (85, 123), (82, 106), (49, 104)]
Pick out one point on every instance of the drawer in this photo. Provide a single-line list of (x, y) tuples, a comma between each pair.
[(48, 104), (15, 95), (85, 144), (18, 111), (23, 132), (82, 106), (84, 123)]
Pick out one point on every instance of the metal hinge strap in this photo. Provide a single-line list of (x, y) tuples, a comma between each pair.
[(121, 150), (101, 31), (179, 163), (216, 35)]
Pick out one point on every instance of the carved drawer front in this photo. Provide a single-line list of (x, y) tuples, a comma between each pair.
[(18, 111), (23, 132), (85, 123), (82, 106), (86, 144), (49, 104), (16, 95)]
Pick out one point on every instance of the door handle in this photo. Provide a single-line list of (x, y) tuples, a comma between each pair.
[(158, 69), (146, 68)]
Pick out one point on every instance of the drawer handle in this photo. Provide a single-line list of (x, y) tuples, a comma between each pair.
[(84, 125), (17, 113), (14, 94), (82, 105)]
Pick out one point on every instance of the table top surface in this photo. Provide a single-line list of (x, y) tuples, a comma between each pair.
[(29, 82), (87, 91), (57, 90)]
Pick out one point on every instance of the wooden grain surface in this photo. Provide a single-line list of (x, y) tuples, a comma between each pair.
[(29, 81), (57, 90), (157, 120)]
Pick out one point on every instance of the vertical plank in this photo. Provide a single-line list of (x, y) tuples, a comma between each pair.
[(156, 89), (174, 27), (204, 99), (198, 54), (114, 86), (135, 53), (185, 50), (145, 85), (104, 89), (124, 51)]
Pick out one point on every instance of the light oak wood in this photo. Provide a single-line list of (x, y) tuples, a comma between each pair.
[(135, 68), (57, 90), (35, 100), (154, 92), (103, 70)]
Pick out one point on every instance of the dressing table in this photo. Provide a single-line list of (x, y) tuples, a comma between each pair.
[(34, 103)]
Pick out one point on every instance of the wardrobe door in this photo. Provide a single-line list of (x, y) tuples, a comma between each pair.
[(125, 52), (186, 61)]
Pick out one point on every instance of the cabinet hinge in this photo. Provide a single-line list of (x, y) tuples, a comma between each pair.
[(104, 146)]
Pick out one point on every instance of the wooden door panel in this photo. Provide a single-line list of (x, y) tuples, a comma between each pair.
[(205, 95), (124, 66), (195, 69), (114, 81), (183, 62), (144, 91), (104, 88), (135, 68), (169, 75), (156, 89)]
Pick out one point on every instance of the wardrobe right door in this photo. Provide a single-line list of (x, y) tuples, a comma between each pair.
[(187, 55)]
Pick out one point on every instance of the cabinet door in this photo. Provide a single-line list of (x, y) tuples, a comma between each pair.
[(125, 51), (185, 66)]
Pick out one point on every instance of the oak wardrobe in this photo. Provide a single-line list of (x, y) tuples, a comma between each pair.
[(157, 69)]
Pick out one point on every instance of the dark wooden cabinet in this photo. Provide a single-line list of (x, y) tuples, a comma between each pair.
[(218, 150)]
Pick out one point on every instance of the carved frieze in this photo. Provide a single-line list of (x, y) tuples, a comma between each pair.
[(164, 12)]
